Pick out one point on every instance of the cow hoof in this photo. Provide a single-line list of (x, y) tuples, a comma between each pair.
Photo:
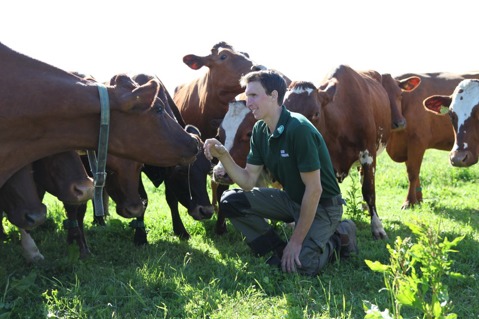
[(140, 238), (35, 259), (99, 221), (183, 236), (85, 254), (221, 229)]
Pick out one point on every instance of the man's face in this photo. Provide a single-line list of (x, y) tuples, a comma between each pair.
[(260, 104)]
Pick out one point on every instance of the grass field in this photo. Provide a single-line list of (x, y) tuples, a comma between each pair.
[(217, 277)]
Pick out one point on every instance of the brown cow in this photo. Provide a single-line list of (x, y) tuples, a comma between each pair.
[(183, 184), (45, 110), (204, 101), (63, 176), (424, 130), (462, 106), (352, 112)]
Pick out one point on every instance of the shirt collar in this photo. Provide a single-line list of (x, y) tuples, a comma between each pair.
[(283, 120)]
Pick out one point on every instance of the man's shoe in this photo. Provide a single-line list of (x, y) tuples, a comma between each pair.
[(347, 233)]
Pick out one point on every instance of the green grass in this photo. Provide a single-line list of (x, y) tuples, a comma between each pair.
[(213, 276)]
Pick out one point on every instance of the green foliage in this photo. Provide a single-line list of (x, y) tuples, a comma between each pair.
[(414, 277), (354, 198)]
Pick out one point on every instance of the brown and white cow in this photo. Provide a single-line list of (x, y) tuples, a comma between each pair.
[(45, 110), (424, 129), (462, 106), (204, 101), (352, 112)]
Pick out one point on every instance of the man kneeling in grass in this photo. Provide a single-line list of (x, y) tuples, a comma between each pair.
[(295, 154)]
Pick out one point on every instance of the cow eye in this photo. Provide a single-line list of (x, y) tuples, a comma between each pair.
[(223, 57)]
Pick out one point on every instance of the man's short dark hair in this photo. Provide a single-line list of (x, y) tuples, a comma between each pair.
[(271, 80)]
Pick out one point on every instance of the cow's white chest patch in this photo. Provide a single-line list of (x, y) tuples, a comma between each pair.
[(365, 158)]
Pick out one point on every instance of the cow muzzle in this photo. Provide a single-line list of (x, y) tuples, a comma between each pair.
[(201, 212), (29, 219), (462, 158)]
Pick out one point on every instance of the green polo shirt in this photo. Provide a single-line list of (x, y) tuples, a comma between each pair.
[(295, 146)]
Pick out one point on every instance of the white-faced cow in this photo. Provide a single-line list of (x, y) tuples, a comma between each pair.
[(424, 130), (352, 112), (463, 110), (45, 110)]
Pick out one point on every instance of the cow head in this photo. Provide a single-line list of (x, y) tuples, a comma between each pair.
[(225, 68), (188, 184), (303, 97), (396, 89), (463, 109), (122, 182), (64, 176), (20, 201), (235, 133)]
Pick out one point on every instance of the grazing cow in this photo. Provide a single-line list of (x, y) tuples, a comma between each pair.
[(424, 130), (463, 110), (204, 101), (62, 175), (183, 184), (58, 111), (352, 111)]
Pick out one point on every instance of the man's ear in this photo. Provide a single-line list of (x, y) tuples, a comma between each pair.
[(274, 95)]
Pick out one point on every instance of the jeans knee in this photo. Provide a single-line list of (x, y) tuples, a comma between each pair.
[(233, 202)]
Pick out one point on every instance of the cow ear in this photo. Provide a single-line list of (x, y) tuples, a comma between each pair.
[(409, 84), (141, 98), (327, 91), (193, 61), (123, 81), (438, 104)]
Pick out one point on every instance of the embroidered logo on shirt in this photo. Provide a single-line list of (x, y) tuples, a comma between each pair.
[(280, 129), (284, 154)]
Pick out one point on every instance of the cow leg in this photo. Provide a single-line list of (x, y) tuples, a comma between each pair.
[(413, 167), (220, 227), (3, 235), (139, 238), (178, 226), (368, 166), (30, 250), (74, 226)]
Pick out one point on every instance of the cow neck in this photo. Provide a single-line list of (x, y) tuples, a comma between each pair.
[(98, 160)]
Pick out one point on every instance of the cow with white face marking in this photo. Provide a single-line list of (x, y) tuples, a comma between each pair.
[(352, 111), (463, 108)]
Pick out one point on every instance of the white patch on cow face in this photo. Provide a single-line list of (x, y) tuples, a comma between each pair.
[(365, 158), (298, 90), (464, 99), (236, 114)]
